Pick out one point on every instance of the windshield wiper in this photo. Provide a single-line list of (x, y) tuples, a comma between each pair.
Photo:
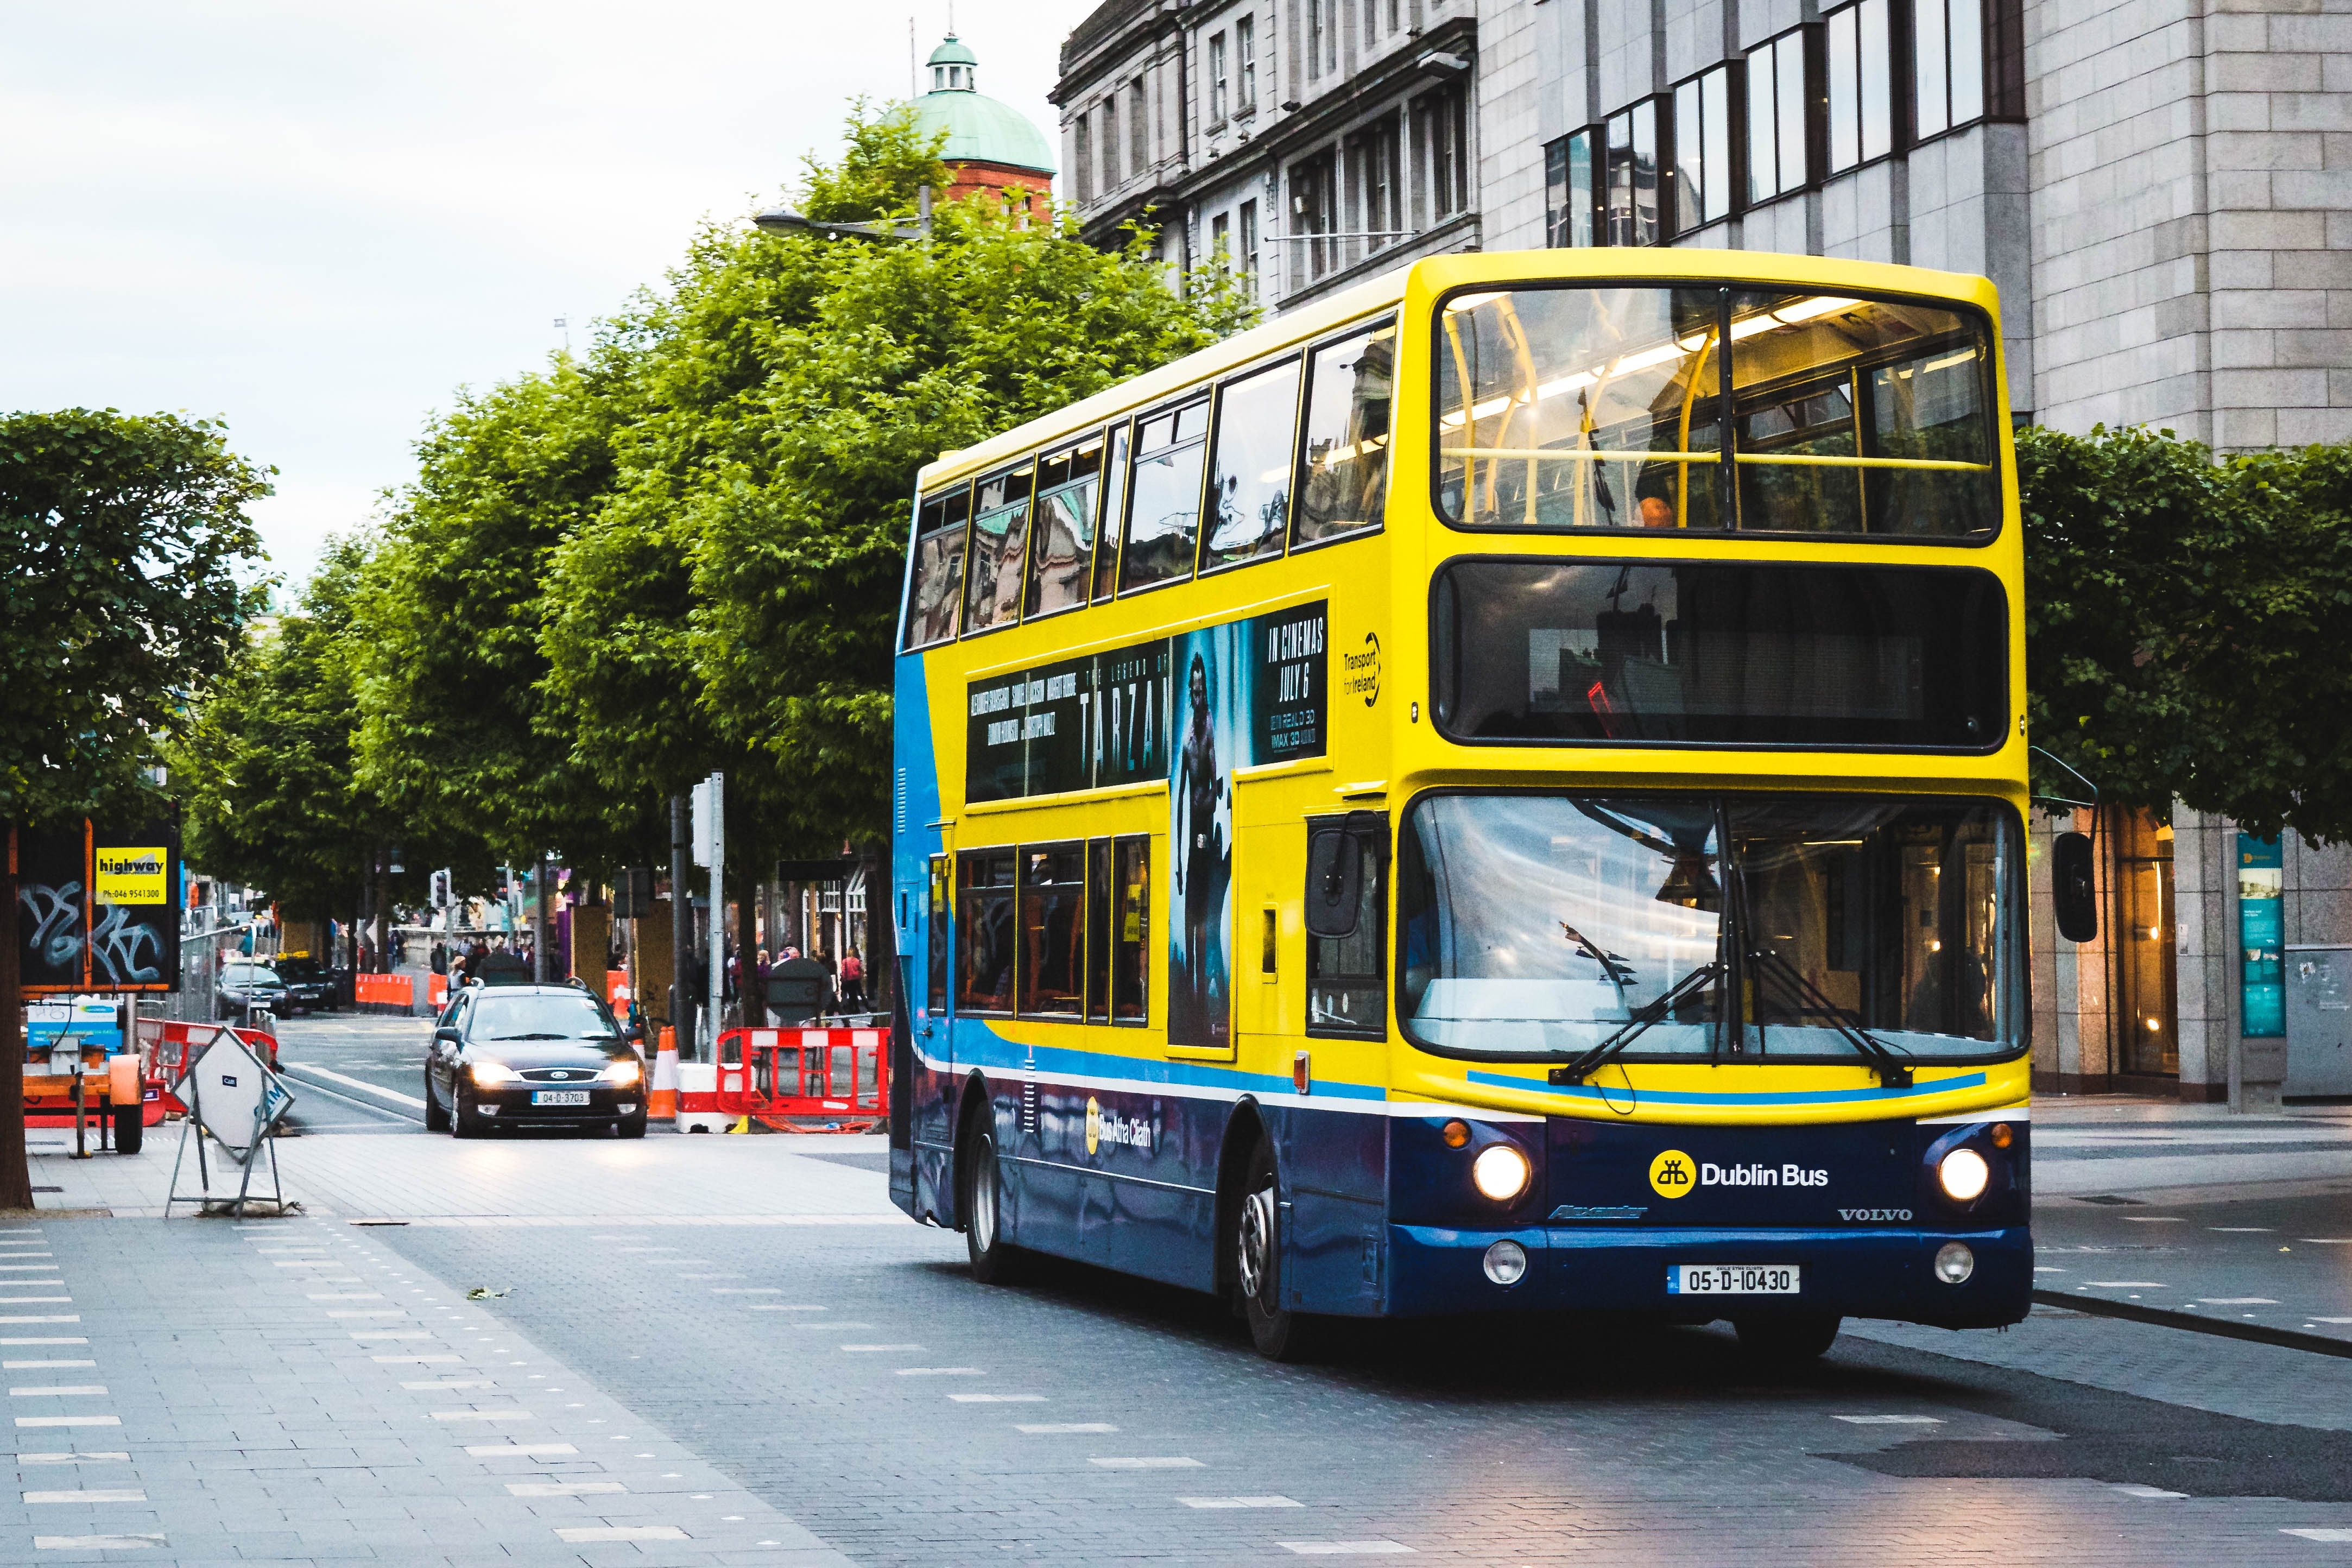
[(530, 1036), (1892, 1071), (1648, 1014)]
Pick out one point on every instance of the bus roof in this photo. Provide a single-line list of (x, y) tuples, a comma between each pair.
[(1437, 274)]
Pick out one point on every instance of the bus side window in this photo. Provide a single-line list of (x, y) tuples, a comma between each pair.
[(939, 931), (1249, 477), (1343, 486), (1347, 993), (937, 583), (1062, 555), (1098, 931), (1114, 511), (1163, 507), (984, 933), (1000, 540), (1131, 930)]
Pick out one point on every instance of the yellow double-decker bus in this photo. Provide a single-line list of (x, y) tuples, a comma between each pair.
[(1500, 791)]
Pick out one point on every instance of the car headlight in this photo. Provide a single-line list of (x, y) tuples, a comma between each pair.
[(1964, 1175), (487, 1074), (622, 1072), (1501, 1172)]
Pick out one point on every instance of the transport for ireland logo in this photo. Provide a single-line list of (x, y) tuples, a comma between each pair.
[(1672, 1174)]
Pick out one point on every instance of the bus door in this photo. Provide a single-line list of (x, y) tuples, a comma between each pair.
[(930, 1087), (1335, 1164)]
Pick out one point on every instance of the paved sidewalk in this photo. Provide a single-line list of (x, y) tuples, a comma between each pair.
[(209, 1391)]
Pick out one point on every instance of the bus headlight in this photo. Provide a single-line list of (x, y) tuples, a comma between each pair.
[(1501, 1172), (1964, 1175), (1507, 1263)]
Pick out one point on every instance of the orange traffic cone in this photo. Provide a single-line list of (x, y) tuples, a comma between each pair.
[(661, 1103)]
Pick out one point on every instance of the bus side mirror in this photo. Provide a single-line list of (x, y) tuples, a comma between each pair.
[(1335, 877), (2076, 887)]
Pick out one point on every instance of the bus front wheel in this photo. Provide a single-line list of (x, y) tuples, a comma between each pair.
[(1279, 1333)]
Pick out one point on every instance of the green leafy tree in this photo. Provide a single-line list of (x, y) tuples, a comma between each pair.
[(2186, 624), (460, 738), (267, 775), (121, 540)]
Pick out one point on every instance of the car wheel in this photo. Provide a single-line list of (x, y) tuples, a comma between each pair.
[(1278, 1332), (129, 1128), (994, 1260), (437, 1119), (1789, 1341), (464, 1121)]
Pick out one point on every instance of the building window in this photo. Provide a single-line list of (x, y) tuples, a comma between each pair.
[(1441, 148), (1139, 123), (1320, 29), (1777, 159), (2005, 54), (1632, 174), (1569, 203), (1861, 84), (1110, 169), (1083, 158), (1703, 183), (1378, 182), (1947, 64), (1314, 210), (1217, 78), (1249, 247), (1221, 240), (1245, 50)]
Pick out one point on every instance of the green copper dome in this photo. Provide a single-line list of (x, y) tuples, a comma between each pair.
[(980, 129)]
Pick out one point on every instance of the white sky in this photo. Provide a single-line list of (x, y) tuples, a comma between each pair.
[(318, 221)]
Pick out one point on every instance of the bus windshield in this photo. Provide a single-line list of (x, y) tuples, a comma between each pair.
[(1602, 407), (1544, 925)]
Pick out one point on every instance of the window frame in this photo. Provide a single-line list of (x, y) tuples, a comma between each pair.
[(1376, 839), (1988, 391), (1436, 666), (1732, 92), (1293, 545), (2014, 1010), (1557, 156), (1022, 885), (1986, 89), (1204, 393), (1200, 566), (1245, 65), (1075, 444), (1897, 61), (1813, 119), (1662, 152), (914, 550), (1024, 468), (963, 931)]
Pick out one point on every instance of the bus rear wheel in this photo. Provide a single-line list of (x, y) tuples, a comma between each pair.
[(994, 1260), (1279, 1333), (1788, 1341)]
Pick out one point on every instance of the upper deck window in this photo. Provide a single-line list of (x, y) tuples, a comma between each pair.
[(937, 583), (1572, 408), (1346, 483), (1069, 487), (1163, 509), (999, 537), (1535, 649), (1250, 498)]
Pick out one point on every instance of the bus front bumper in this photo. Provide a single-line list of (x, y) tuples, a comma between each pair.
[(1877, 1273)]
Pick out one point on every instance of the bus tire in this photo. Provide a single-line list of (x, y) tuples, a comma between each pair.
[(1279, 1333), (994, 1260), (1788, 1341), (129, 1128)]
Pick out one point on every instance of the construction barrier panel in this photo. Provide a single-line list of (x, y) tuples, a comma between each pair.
[(805, 1080), (164, 1047), (437, 991), (698, 1099), (384, 993)]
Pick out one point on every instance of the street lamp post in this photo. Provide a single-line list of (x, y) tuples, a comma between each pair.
[(784, 220)]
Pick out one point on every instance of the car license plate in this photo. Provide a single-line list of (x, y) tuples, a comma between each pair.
[(1731, 1279), (559, 1097)]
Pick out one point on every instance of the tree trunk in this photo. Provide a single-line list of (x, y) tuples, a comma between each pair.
[(15, 1175)]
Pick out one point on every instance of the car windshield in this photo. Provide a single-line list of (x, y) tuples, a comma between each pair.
[(253, 974), (576, 1017), (1546, 925)]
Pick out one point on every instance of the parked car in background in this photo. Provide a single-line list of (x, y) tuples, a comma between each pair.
[(244, 984), (309, 984)]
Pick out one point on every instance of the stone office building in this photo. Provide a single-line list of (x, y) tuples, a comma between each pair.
[(2162, 190)]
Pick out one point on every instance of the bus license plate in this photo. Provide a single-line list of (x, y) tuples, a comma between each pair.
[(1731, 1279), (559, 1097)]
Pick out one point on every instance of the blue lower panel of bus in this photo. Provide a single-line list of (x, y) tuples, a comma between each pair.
[(1870, 1274)]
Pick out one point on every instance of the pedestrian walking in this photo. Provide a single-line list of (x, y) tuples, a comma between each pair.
[(853, 982)]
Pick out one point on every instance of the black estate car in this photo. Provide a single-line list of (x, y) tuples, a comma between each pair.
[(531, 1056)]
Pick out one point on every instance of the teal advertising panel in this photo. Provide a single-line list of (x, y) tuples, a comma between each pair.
[(2261, 987)]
